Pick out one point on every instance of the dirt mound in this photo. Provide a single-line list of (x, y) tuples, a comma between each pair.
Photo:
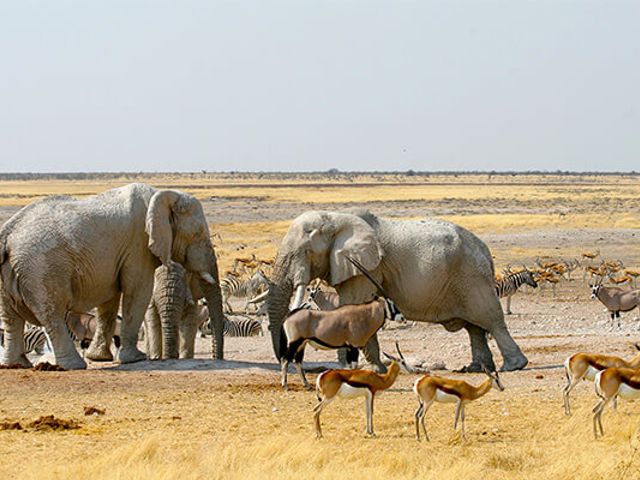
[(94, 411), (49, 422), (47, 367), (10, 426), (13, 366)]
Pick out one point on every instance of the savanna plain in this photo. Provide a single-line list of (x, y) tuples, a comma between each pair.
[(200, 418)]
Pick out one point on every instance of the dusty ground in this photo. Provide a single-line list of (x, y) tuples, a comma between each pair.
[(205, 419)]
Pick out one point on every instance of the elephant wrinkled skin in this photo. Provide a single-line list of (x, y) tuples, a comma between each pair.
[(61, 254), (435, 271)]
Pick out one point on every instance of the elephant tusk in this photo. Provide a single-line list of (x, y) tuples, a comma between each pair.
[(297, 301), (206, 276), (260, 297)]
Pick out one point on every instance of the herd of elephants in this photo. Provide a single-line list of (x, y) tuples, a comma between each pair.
[(61, 255)]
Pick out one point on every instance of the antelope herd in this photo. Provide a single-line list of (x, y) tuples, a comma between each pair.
[(323, 323)]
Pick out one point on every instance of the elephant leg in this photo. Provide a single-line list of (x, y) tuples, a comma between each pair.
[(153, 333), (187, 331), (100, 348), (512, 356), (13, 337), (343, 357), (480, 353), (371, 352), (134, 306), (63, 347)]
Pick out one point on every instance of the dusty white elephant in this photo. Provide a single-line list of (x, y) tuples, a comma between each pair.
[(61, 254), (174, 315), (433, 270)]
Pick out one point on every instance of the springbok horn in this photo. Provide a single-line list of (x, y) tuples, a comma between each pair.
[(409, 368), (364, 271)]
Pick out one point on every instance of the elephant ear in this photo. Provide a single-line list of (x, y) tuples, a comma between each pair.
[(356, 239), (158, 223)]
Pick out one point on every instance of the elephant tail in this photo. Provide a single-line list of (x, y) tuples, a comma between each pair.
[(7, 273)]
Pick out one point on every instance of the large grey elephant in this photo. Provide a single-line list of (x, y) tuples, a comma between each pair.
[(173, 316), (435, 271), (61, 254)]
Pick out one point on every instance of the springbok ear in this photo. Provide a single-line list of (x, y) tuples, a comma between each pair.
[(356, 239), (158, 224)]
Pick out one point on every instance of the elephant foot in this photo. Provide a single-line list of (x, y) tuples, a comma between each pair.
[(101, 353), (376, 367), (20, 360), (476, 367), (514, 363), (71, 363), (131, 355)]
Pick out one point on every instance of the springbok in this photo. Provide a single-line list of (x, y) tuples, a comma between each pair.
[(610, 384), (430, 388), (616, 299), (350, 326), (352, 384), (581, 366)]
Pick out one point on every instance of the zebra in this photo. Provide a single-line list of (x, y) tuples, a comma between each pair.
[(243, 327), (508, 285), (35, 340), (233, 286)]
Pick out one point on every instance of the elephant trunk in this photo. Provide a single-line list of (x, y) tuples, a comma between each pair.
[(214, 303), (280, 290), (170, 312), (169, 297)]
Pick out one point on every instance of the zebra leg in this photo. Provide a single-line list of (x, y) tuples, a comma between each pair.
[(13, 322), (508, 312)]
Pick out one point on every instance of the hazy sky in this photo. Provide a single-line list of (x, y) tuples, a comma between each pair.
[(311, 85)]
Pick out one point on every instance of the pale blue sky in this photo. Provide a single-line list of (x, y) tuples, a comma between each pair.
[(312, 85)]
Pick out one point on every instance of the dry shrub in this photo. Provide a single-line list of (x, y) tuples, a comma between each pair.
[(10, 426), (94, 411), (51, 423)]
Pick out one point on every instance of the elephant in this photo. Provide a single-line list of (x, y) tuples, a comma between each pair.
[(62, 254), (173, 313), (434, 270)]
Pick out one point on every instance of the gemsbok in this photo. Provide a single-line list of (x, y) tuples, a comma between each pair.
[(586, 366), (352, 384), (431, 388), (350, 326), (616, 299), (610, 384)]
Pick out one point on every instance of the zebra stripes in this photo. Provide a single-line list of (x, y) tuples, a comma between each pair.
[(244, 327), (510, 284), (232, 286), (35, 340)]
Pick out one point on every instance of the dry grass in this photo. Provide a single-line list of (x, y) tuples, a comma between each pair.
[(212, 425)]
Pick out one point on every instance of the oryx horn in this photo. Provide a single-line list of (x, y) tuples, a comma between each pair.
[(366, 273)]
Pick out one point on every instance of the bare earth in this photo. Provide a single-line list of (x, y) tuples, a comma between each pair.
[(230, 419)]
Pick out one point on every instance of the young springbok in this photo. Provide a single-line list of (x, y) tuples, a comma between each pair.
[(430, 388), (610, 384), (616, 299), (581, 366), (351, 384)]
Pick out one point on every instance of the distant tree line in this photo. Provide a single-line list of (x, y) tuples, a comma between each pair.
[(333, 172)]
